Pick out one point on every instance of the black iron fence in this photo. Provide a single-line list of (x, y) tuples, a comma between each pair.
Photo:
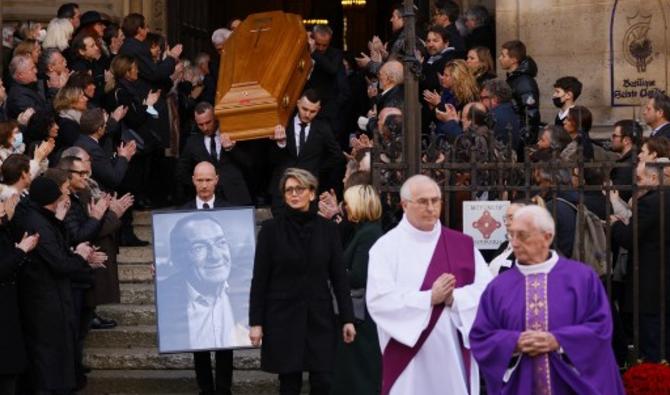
[(477, 171)]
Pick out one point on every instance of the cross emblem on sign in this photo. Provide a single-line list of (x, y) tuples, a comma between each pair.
[(260, 29)]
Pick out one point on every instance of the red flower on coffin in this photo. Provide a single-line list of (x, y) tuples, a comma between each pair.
[(647, 379)]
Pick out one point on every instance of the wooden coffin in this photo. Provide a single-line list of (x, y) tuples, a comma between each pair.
[(264, 67)]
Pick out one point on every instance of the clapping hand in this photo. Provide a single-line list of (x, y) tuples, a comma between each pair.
[(120, 205), (120, 113), (25, 116), (44, 150), (28, 243), (431, 97), (363, 61), (348, 333), (449, 115), (127, 150), (96, 259), (98, 209)]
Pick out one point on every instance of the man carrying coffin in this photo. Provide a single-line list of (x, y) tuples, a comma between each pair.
[(424, 284), (544, 326)]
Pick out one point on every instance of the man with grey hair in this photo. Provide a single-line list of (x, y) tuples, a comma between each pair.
[(24, 93), (219, 37), (423, 288), (52, 66), (497, 97), (480, 31), (545, 325)]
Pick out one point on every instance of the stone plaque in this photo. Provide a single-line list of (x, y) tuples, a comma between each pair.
[(639, 50)]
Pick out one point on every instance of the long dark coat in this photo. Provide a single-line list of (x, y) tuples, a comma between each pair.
[(649, 246), (12, 349), (358, 365), (297, 256), (45, 300)]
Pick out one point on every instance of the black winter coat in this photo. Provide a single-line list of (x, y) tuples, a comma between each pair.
[(21, 97), (12, 349), (526, 94), (45, 300), (68, 132), (298, 259)]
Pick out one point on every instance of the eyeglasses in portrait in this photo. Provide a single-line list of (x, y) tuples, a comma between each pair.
[(204, 264)]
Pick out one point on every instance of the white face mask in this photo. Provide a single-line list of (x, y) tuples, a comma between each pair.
[(42, 35)]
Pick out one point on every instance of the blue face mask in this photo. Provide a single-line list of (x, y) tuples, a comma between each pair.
[(18, 140)]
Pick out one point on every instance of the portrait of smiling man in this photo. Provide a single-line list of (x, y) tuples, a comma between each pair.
[(194, 307)]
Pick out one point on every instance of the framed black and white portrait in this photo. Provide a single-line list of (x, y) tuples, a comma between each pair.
[(204, 264)]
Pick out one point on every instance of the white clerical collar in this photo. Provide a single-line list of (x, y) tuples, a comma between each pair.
[(420, 235), (539, 268), (199, 202)]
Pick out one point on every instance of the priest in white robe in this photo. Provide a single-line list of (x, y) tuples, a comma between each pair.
[(423, 290)]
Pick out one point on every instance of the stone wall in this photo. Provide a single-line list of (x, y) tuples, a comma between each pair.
[(572, 37), (44, 10)]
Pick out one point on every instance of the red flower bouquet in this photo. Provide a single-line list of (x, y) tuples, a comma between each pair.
[(647, 379)]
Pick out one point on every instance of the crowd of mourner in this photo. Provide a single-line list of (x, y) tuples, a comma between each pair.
[(99, 119)]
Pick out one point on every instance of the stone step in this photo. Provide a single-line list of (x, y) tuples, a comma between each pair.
[(148, 358), (140, 293), (135, 273), (144, 232), (129, 314), (172, 382), (136, 254), (123, 336), (141, 217)]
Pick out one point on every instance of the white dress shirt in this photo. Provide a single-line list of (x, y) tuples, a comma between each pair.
[(217, 142), (199, 202), (296, 129)]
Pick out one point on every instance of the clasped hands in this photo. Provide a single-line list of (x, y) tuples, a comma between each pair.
[(443, 290), (536, 343)]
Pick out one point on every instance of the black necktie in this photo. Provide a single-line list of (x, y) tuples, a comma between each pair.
[(212, 148), (205, 206), (302, 136)]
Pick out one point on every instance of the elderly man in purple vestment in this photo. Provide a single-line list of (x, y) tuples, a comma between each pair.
[(544, 326), (423, 289)]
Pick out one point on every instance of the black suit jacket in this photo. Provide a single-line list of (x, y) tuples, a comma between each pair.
[(664, 131), (107, 172), (321, 152), (150, 73), (231, 182)]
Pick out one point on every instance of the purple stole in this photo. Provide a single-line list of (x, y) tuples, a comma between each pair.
[(537, 319), (458, 260)]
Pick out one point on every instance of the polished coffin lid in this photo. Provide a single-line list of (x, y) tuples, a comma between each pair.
[(264, 67)]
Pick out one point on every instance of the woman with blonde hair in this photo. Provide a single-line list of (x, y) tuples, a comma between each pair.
[(480, 62), (298, 261), (70, 102), (59, 33), (358, 364), (459, 83)]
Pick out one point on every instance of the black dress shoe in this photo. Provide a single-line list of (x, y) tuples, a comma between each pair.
[(102, 323), (132, 241)]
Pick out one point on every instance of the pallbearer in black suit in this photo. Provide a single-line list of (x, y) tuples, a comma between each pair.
[(219, 150), (205, 180), (305, 143)]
